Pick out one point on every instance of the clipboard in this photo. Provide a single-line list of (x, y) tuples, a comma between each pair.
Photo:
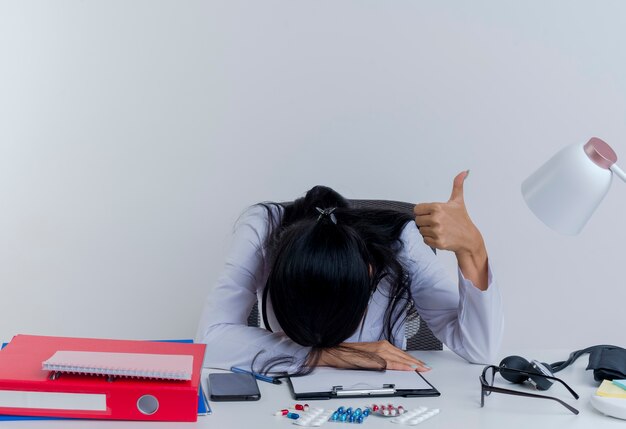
[(330, 383)]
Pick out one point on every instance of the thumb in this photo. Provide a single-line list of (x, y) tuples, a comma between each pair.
[(457, 186)]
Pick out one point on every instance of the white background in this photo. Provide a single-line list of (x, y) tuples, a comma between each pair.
[(132, 135)]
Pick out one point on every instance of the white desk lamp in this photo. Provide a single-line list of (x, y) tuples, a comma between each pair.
[(565, 191)]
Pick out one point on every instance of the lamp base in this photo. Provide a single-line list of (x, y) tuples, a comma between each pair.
[(614, 407)]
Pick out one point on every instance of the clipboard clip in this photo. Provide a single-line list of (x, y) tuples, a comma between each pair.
[(387, 389)]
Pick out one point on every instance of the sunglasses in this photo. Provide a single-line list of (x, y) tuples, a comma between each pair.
[(489, 374)]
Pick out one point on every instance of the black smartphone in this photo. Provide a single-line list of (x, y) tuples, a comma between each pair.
[(233, 387)]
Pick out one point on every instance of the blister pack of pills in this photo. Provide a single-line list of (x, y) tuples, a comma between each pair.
[(415, 416), (388, 410), (349, 415), (314, 417)]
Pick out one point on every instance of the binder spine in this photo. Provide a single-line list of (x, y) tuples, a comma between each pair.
[(127, 404), (166, 405)]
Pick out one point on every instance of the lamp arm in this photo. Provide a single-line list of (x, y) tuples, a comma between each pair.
[(618, 172)]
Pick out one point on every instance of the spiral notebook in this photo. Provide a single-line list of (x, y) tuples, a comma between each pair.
[(134, 365)]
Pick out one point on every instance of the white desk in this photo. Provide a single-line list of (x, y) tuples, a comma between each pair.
[(459, 404)]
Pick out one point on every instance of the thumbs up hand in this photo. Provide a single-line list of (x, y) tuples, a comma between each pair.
[(447, 226)]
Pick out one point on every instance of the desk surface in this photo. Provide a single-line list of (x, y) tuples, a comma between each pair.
[(459, 404)]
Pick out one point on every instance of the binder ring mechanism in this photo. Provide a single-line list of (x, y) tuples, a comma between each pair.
[(386, 389)]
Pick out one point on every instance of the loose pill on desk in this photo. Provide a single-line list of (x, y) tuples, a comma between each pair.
[(281, 413)]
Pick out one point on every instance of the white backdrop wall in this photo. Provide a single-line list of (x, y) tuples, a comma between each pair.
[(132, 135)]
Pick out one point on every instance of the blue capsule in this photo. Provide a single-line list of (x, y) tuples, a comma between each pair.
[(359, 419), (366, 412), (343, 417), (293, 416), (349, 410), (335, 416), (358, 412)]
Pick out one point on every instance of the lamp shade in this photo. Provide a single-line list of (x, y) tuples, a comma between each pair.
[(565, 191)]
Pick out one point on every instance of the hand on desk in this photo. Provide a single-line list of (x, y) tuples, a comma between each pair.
[(373, 355)]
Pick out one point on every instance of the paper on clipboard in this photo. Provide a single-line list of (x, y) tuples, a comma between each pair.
[(332, 382)]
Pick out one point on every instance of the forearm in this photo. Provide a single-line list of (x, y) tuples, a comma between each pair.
[(468, 319), (473, 263), (376, 355)]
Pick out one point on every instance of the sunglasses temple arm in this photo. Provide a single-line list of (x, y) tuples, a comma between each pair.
[(534, 395), (565, 404), (574, 394)]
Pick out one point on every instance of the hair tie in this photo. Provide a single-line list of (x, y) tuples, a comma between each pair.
[(327, 213)]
